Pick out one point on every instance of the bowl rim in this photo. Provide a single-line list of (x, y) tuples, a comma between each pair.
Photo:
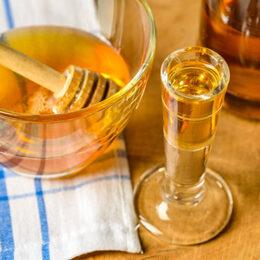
[(105, 103)]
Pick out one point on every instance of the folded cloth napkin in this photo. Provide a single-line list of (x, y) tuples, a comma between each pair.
[(64, 218)]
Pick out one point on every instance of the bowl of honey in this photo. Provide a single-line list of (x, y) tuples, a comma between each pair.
[(112, 37)]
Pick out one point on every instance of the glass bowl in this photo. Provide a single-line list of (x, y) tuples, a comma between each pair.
[(56, 145)]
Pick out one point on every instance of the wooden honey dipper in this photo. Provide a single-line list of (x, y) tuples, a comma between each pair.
[(74, 89)]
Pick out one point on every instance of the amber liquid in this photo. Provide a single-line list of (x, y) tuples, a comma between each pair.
[(56, 147), (232, 30), (190, 112), (58, 47)]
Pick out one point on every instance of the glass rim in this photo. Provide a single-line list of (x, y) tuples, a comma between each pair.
[(85, 112), (222, 82)]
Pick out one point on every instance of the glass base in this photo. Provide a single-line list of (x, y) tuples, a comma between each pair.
[(178, 223)]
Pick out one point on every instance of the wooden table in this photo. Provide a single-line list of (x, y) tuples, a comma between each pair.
[(235, 155)]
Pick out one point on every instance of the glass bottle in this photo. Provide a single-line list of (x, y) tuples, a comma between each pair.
[(232, 28)]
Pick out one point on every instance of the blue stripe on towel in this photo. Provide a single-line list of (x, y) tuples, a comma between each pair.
[(8, 173), (8, 13), (6, 231), (65, 188), (41, 203), (43, 219)]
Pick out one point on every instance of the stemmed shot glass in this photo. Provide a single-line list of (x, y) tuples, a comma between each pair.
[(185, 202)]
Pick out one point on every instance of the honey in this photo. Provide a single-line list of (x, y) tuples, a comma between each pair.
[(57, 47)]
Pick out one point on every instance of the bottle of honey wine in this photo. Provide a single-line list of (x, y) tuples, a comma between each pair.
[(232, 28)]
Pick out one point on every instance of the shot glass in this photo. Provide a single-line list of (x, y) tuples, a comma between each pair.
[(184, 202)]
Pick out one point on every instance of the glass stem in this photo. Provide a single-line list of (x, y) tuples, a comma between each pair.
[(184, 180)]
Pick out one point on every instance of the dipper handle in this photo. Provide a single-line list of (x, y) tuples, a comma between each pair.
[(32, 69)]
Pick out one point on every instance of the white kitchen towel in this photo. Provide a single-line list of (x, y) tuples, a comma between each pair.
[(67, 217)]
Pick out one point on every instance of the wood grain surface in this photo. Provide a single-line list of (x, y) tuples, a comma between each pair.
[(235, 154)]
